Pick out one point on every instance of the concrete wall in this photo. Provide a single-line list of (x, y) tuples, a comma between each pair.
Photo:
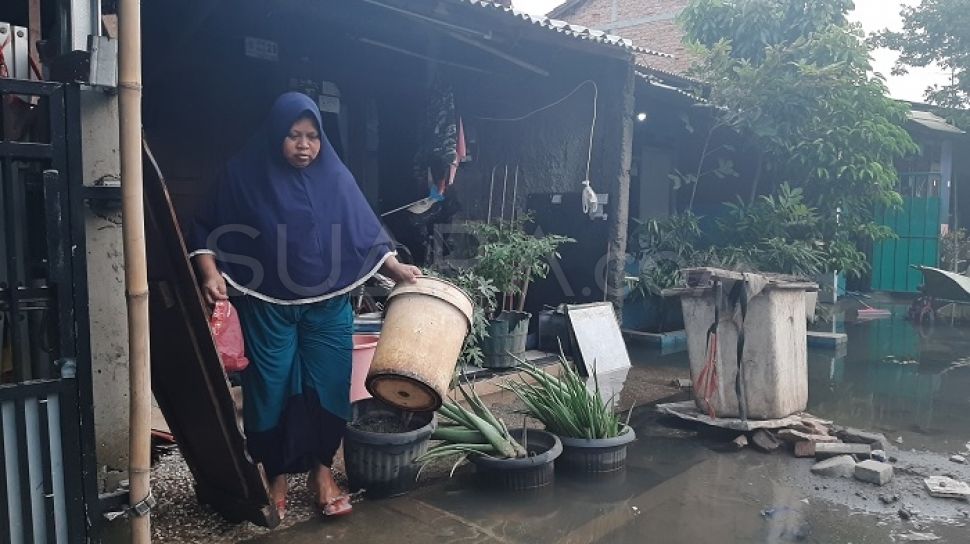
[(106, 289)]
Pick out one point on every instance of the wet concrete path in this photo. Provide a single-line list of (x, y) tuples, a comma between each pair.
[(678, 488), (681, 486)]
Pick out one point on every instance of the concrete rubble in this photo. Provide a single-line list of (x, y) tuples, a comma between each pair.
[(805, 449), (765, 441), (843, 466), (857, 436), (793, 437), (947, 488), (874, 472)]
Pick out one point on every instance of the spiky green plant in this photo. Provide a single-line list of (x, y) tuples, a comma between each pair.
[(565, 405), (470, 431)]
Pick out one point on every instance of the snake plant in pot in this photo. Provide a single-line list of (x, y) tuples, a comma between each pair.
[(514, 460), (512, 259), (593, 436)]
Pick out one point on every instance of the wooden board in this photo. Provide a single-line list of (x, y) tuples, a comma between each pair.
[(187, 376), (598, 338)]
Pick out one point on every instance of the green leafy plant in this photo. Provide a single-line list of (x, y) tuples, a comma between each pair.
[(665, 245), (565, 405), (512, 259), (483, 294)]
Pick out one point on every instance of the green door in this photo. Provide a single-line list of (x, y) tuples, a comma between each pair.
[(917, 227)]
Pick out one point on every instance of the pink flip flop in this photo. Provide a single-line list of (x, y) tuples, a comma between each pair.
[(281, 508), (336, 507)]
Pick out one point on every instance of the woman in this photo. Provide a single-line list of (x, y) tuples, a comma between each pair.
[(289, 229)]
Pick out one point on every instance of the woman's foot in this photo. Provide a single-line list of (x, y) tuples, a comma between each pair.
[(277, 492), (329, 498)]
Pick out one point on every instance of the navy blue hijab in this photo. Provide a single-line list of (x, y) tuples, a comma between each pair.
[(286, 234)]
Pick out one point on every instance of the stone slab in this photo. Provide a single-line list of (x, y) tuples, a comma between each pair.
[(947, 488), (687, 410), (874, 472), (857, 436), (827, 450)]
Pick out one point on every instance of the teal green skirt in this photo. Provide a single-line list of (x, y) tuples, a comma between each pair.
[(296, 389)]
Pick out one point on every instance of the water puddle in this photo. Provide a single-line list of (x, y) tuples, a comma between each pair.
[(907, 382)]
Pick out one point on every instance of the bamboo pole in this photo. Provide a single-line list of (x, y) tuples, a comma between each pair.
[(136, 273)]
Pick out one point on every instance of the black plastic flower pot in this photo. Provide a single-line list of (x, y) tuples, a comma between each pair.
[(532, 472), (597, 455), (382, 463), (507, 335)]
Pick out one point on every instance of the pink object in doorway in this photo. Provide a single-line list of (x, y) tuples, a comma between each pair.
[(364, 346)]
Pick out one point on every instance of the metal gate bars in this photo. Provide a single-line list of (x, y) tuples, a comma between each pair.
[(47, 468)]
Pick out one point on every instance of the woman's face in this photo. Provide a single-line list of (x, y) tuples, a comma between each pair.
[(302, 144)]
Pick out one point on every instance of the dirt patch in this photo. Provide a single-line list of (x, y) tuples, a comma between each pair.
[(386, 423)]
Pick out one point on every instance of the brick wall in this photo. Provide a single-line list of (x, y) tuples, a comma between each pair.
[(660, 31)]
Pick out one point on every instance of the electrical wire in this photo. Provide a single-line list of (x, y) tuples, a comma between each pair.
[(592, 128)]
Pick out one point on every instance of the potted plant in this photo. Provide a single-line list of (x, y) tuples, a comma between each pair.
[(511, 259), (512, 460), (381, 445), (594, 438)]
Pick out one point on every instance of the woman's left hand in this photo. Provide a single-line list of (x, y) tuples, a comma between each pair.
[(400, 272), (407, 273)]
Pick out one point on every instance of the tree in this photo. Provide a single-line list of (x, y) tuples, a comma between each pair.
[(936, 32), (794, 77)]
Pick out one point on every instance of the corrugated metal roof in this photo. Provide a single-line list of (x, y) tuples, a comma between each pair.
[(933, 122), (562, 27), (659, 83)]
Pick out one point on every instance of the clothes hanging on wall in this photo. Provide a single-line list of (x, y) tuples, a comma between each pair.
[(442, 141)]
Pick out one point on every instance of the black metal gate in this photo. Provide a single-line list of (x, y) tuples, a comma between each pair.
[(48, 490)]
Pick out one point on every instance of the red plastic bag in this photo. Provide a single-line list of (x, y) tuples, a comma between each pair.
[(229, 338)]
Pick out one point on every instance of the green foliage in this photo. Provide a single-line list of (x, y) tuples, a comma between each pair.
[(665, 246), (753, 26), (483, 293), (510, 258), (935, 32), (794, 77), (565, 405), (777, 233)]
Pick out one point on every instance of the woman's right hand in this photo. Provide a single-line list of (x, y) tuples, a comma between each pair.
[(213, 284), (214, 289)]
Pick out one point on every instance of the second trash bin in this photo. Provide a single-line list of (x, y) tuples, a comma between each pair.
[(764, 318)]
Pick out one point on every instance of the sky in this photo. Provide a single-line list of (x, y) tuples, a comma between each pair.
[(873, 15)]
